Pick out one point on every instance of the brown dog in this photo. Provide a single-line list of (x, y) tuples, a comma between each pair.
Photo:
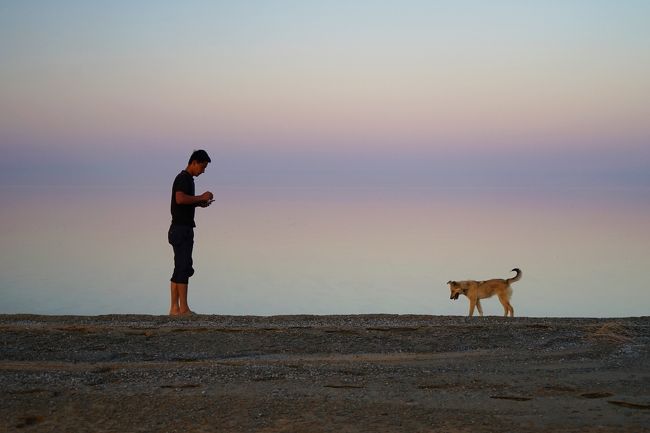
[(477, 290)]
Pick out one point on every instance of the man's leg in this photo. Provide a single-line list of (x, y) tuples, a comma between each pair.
[(182, 298), (182, 239), (174, 310)]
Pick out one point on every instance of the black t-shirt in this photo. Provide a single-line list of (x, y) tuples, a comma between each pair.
[(183, 214)]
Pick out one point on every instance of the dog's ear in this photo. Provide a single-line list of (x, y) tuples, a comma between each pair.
[(449, 282)]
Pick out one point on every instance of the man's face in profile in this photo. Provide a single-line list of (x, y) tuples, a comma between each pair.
[(198, 168)]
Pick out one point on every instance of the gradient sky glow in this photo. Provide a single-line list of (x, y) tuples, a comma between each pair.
[(364, 153), (426, 79)]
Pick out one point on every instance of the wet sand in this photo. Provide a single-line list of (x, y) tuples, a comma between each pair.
[(366, 373)]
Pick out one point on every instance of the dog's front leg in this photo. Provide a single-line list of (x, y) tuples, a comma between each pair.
[(472, 304)]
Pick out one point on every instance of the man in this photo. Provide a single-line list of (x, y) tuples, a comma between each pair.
[(181, 231)]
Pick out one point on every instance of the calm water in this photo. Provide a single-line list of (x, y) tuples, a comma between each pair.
[(339, 251)]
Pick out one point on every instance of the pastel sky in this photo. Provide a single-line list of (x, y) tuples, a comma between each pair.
[(364, 153), (317, 92)]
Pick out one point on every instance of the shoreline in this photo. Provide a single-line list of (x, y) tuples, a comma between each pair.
[(201, 316)]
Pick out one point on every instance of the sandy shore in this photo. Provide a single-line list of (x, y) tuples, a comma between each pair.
[(369, 373)]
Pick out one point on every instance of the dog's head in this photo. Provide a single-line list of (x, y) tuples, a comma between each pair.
[(456, 289)]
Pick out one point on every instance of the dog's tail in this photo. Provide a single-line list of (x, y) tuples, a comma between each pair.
[(516, 277)]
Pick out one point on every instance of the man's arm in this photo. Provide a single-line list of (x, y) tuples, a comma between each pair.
[(186, 199)]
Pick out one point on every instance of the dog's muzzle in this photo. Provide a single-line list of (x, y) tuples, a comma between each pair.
[(454, 296)]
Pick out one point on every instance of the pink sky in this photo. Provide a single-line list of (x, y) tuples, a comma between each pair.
[(258, 85)]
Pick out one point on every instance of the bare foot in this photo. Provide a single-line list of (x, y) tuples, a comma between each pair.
[(186, 313), (174, 312)]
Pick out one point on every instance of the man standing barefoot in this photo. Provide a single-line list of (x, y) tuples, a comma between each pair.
[(181, 231)]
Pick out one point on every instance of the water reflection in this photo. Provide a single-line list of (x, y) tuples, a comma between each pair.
[(329, 251)]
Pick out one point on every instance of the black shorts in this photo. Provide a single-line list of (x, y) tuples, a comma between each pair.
[(181, 239)]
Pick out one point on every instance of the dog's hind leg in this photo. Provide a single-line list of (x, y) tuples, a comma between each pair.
[(478, 305), (507, 308)]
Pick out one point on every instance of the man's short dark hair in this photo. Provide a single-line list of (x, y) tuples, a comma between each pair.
[(199, 156)]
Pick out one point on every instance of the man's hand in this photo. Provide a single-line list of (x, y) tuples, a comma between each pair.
[(206, 199), (206, 196)]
